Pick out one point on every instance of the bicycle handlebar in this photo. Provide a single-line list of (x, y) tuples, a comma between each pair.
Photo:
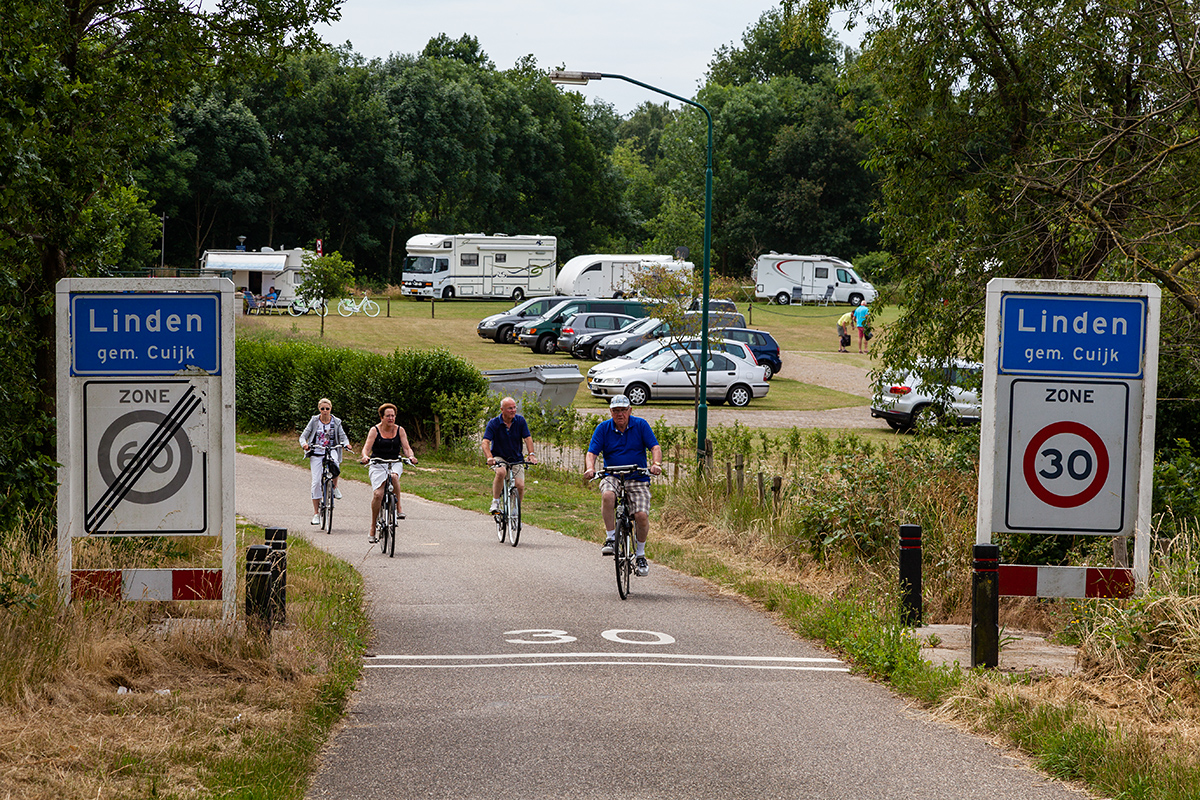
[(500, 462), (622, 471), (404, 459)]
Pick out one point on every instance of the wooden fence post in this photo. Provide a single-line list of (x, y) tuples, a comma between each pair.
[(762, 490), (739, 463), (776, 486)]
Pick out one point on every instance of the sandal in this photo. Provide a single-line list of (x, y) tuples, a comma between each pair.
[(373, 539)]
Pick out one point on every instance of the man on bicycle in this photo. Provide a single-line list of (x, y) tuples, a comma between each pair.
[(502, 439), (387, 441), (624, 439)]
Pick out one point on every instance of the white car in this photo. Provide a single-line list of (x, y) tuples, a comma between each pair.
[(672, 375), (907, 402), (650, 349)]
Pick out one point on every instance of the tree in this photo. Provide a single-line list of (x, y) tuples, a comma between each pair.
[(85, 89), (325, 278), (1034, 139)]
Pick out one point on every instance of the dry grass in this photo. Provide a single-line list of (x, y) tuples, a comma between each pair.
[(132, 700)]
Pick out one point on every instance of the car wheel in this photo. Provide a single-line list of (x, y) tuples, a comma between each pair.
[(545, 344), (855, 299), (506, 334), (448, 293), (595, 354), (518, 295), (926, 418), (768, 373), (783, 298), (637, 394), (739, 396)]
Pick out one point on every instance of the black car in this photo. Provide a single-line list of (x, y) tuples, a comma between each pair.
[(582, 332)]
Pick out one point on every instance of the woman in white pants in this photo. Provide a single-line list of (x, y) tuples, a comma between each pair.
[(323, 432)]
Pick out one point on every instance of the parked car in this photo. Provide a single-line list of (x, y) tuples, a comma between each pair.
[(500, 327), (714, 305), (633, 337), (909, 403), (672, 376), (653, 348), (766, 349), (582, 331), (541, 334)]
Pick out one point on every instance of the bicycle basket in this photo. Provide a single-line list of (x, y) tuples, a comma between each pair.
[(334, 469)]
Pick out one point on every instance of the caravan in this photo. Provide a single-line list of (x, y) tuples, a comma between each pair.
[(476, 265), (609, 275), (258, 272), (786, 278)]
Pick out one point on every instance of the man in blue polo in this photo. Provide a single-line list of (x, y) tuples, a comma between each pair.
[(502, 439), (624, 439)]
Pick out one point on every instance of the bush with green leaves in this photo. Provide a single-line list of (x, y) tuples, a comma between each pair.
[(279, 384)]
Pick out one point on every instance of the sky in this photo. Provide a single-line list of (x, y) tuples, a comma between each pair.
[(665, 43)]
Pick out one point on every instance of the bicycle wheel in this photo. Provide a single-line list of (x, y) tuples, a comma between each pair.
[(371, 308), (322, 308), (297, 309), (502, 517), (346, 308), (623, 554), (391, 521), (514, 515), (327, 502)]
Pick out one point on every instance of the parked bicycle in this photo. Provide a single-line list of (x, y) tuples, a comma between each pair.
[(508, 515), (624, 548), (299, 307), (329, 473), (385, 523), (348, 308)]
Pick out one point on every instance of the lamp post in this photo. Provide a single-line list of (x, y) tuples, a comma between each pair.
[(581, 79)]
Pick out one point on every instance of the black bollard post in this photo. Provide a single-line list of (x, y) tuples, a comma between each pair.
[(258, 587), (910, 575), (277, 541), (985, 607)]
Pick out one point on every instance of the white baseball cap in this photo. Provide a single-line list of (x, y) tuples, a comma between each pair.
[(620, 401)]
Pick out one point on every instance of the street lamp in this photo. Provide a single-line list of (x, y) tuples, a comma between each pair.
[(581, 79)]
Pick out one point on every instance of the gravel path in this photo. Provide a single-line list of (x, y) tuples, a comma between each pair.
[(799, 365)]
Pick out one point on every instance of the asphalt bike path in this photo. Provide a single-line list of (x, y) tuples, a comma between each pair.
[(502, 672)]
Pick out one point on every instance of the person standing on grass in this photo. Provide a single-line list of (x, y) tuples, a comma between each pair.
[(860, 321), (502, 439), (845, 321)]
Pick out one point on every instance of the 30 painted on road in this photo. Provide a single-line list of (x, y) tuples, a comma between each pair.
[(145, 334)]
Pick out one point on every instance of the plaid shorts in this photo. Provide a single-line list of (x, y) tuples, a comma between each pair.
[(637, 492)]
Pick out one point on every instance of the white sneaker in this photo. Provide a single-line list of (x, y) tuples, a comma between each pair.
[(495, 506), (316, 520), (337, 494)]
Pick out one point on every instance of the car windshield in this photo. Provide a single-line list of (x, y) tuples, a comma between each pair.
[(643, 326), (660, 360)]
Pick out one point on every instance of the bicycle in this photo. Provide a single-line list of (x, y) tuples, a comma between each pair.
[(299, 307), (347, 307), (385, 523), (624, 547), (508, 516), (329, 472)]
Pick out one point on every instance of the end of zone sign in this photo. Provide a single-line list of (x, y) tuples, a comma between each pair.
[(145, 334)]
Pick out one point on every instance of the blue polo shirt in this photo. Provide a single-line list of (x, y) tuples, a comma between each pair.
[(507, 442), (624, 448)]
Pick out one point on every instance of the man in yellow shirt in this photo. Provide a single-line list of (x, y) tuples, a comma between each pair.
[(844, 325)]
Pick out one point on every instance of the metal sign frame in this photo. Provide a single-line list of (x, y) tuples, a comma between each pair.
[(158, 353), (1058, 345)]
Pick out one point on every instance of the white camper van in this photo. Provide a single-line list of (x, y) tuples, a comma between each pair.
[(258, 271), (598, 275), (786, 278), (476, 265)]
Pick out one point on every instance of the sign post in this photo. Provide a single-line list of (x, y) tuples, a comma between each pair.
[(146, 427), (1067, 438)]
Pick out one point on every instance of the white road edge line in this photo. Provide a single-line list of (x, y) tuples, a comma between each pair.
[(610, 663), (786, 659)]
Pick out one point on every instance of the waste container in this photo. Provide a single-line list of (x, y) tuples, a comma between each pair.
[(554, 384)]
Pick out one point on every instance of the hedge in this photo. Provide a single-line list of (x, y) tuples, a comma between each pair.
[(280, 382)]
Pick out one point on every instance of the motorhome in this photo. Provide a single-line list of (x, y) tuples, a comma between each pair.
[(258, 271), (785, 278), (477, 265), (600, 275)]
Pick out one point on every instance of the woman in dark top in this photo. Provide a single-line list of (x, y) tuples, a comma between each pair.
[(387, 440)]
